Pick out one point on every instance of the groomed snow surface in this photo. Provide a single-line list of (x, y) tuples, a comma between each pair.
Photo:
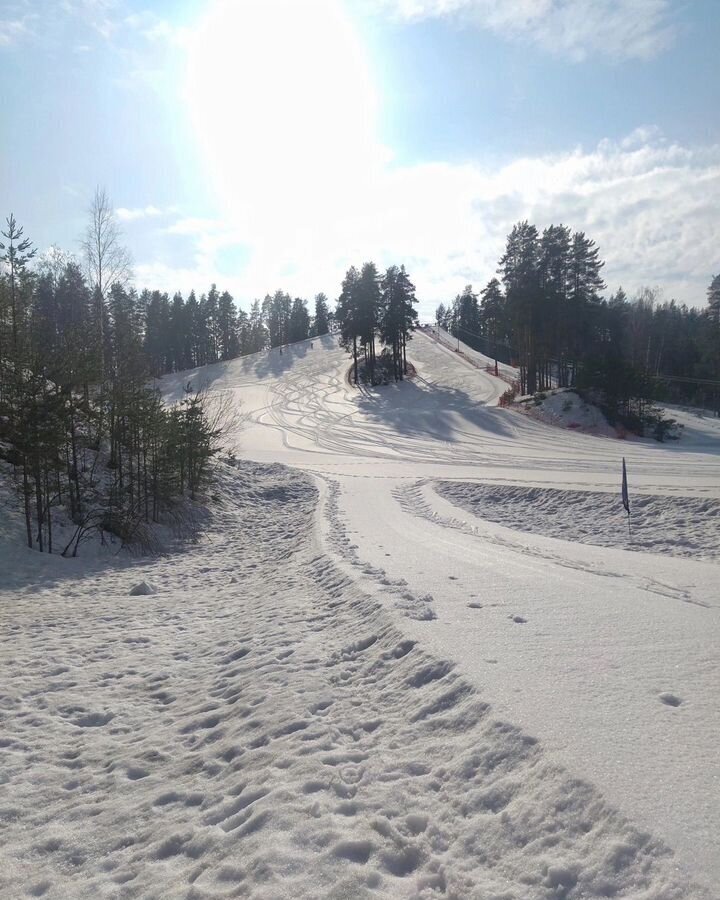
[(409, 670)]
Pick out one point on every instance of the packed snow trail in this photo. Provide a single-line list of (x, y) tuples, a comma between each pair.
[(265, 732), (591, 647)]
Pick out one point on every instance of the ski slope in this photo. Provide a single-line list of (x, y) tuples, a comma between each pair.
[(609, 635), (425, 660)]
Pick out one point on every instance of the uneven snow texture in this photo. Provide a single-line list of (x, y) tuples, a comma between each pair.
[(259, 728), (676, 526), (566, 409)]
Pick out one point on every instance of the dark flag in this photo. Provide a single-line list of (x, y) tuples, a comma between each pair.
[(625, 498)]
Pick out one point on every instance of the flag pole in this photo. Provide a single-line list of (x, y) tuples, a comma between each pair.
[(626, 497)]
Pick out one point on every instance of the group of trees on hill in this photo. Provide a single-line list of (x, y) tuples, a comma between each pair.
[(372, 308), (79, 427), (180, 333), (546, 314)]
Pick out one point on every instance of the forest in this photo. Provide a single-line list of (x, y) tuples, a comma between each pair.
[(82, 431), (546, 314)]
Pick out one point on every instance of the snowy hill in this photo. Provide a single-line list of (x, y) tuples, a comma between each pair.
[(379, 675)]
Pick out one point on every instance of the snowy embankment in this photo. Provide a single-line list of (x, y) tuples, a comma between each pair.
[(565, 409), (259, 727), (676, 526)]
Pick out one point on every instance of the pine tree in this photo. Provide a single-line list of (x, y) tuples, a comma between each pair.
[(177, 336), (321, 323), (192, 333), (348, 316), (368, 301), (18, 253), (157, 340), (408, 313), (519, 267), (713, 297), (492, 315), (243, 332), (299, 322), (227, 328), (257, 332)]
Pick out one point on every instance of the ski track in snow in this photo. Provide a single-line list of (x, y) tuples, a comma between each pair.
[(284, 717), (676, 526), (415, 500), (275, 735)]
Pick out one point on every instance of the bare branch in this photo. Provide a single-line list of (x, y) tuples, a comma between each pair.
[(107, 261)]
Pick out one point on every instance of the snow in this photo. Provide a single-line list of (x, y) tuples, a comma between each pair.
[(676, 526), (565, 409), (389, 668)]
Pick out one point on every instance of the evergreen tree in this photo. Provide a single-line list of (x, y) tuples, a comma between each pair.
[(713, 297), (348, 316), (466, 316), (257, 332), (368, 312), (492, 316), (321, 323), (177, 336), (276, 313), (520, 273), (158, 334), (193, 332), (18, 253), (227, 328), (398, 316), (243, 332), (299, 323)]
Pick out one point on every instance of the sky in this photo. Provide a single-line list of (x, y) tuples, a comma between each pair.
[(271, 144)]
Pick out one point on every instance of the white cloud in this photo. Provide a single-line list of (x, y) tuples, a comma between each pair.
[(154, 28), (141, 212), (651, 207), (14, 30), (620, 29)]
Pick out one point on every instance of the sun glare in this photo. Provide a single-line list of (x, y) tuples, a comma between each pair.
[(282, 105)]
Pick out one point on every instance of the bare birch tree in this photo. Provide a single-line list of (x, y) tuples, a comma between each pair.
[(107, 260)]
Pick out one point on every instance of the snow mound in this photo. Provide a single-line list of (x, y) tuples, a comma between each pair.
[(565, 409), (142, 589), (677, 526)]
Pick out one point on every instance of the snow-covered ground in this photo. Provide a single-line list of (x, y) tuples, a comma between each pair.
[(565, 409), (356, 687), (677, 526)]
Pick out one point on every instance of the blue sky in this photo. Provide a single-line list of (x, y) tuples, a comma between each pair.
[(269, 144)]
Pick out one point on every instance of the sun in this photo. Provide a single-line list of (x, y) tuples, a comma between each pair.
[(282, 104)]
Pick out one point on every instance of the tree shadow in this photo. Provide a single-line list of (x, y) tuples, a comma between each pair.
[(273, 363), (279, 360), (419, 408)]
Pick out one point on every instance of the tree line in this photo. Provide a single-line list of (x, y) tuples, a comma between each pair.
[(179, 333), (80, 429), (546, 313)]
